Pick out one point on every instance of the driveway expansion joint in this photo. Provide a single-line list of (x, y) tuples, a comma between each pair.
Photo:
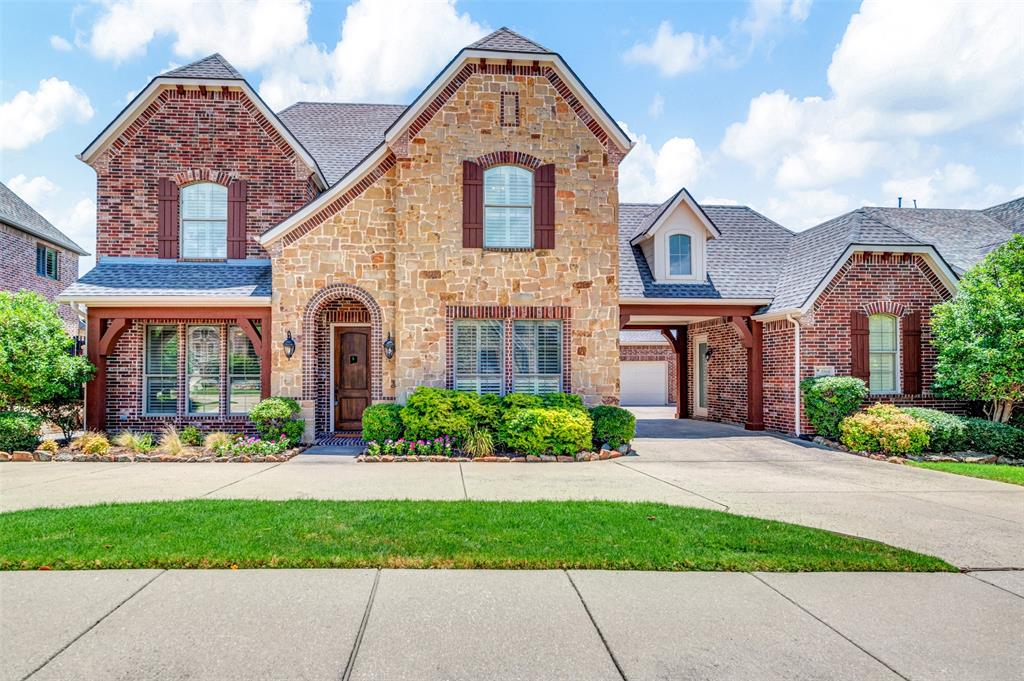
[(235, 482), (600, 634), (725, 507), (350, 665)]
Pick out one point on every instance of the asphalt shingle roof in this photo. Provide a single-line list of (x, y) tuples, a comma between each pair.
[(507, 40), (214, 67), (339, 136), (115, 277), (15, 212), (1009, 214)]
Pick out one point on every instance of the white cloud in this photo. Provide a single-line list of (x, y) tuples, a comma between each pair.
[(249, 33), (652, 175), (767, 16), (799, 210), (60, 44), (75, 217), (32, 191), (386, 48), (673, 53), (718, 201), (657, 106), (31, 116)]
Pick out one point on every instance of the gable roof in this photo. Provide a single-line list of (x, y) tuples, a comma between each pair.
[(507, 40), (338, 135), (650, 224), (213, 66), (18, 214), (1009, 214)]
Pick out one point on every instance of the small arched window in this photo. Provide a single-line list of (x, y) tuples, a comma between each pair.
[(508, 207), (882, 350), (679, 256), (204, 220)]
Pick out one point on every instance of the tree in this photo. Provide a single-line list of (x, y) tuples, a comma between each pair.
[(979, 334), (38, 371)]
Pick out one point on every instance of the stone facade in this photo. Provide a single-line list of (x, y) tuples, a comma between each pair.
[(18, 270), (400, 241), (191, 135)]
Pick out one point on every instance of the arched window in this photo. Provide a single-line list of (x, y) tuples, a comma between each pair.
[(882, 352), (204, 221), (508, 207), (679, 261)]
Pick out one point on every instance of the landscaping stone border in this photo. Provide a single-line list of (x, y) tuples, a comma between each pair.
[(127, 457), (602, 455), (951, 457)]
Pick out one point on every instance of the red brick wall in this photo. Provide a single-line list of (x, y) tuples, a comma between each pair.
[(344, 311), (125, 410), (653, 353), (18, 271), (727, 371), (778, 376), (187, 135)]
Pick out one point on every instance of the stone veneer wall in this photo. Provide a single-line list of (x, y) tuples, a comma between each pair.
[(400, 241), (18, 271), (653, 353)]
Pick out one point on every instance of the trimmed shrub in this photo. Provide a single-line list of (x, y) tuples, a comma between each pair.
[(382, 422), (548, 431), (562, 401), (948, 431), (91, 442), (830, 399), (430, 413), (995, 438), (613, 425), (19, 431), (191, 436), (521, 401), (277, 416), (884, 428)]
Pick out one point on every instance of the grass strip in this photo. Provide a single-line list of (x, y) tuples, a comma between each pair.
[(430, 534), (989, 471)]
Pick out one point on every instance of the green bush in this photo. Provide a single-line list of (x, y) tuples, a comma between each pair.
[(995, 438), (884, 428), (613, 425), (479, 443), (548, 431), (432, 412), (276, 416), (830, 399), (91, 442), (563, 401), (382, 422), (191, 436), (19, 431), (521, 401), (948, 431)]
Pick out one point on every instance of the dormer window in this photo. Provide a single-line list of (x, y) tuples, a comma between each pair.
[(508, 207), (679, 264), (204, 221)]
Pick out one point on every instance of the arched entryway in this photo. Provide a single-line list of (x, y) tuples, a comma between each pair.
[(341, 371)]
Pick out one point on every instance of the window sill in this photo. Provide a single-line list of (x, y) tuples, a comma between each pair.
[(509, 249)]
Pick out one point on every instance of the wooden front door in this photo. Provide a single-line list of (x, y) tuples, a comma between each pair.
[(351, 377)]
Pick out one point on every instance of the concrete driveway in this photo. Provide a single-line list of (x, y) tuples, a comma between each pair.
[(971, 523)]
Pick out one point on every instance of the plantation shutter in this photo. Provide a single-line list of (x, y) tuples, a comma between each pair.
[(472, 205), (544, 207), (911, 323), (167, 223), (236, 219), (479, 353), (859, 345)]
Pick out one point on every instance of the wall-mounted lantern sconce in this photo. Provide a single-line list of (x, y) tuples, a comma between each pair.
[(289, 346), (707, 354), (389, 346)]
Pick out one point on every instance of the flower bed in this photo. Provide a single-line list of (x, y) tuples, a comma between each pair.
[(124, 455), (456, 457)]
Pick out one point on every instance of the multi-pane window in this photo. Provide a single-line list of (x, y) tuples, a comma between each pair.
[(243, 372), (46, 262), (204, 221), (202, 369), (536, 356), (882, 349), (479, 356), (161, 370), (508, 207), (679, 255)]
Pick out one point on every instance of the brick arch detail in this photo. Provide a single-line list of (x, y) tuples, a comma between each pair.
[(503, 158), (193, 175), (890, 307), (312, 340)]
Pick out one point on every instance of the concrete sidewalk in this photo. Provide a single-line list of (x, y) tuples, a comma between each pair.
[(437, 624)]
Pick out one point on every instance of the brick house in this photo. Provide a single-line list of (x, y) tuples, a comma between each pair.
[(35, 255), (344, 254)]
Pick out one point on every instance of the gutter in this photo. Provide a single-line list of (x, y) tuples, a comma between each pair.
[(796, 372)]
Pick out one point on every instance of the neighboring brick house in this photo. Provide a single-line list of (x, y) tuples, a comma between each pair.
[(35, 255), (344, 254)]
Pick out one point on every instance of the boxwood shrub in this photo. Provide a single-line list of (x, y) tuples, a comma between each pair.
[(613, 425), (432, 412), (382, 422), (276, 416), (884, 428), (19, 431), (548, 431), (563, 401), (948, 431), (995, 438), (830, 399)]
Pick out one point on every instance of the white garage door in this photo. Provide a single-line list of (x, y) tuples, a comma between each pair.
[(644, 383)]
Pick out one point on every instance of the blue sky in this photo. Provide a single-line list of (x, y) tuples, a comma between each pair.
[(800, 109)]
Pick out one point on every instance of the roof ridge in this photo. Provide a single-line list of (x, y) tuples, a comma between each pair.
[(893, 227), (182, 71), (497, 35)]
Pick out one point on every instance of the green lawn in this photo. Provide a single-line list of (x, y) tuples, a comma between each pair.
[(990, 471), (421, 534)]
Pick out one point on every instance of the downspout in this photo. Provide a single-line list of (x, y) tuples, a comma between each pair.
[(796, 372)]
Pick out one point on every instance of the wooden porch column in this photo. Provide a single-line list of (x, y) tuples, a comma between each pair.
[(96, 389), (266, 358), (755, 377)]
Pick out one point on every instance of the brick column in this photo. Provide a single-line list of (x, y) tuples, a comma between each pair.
[(755, 377)]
